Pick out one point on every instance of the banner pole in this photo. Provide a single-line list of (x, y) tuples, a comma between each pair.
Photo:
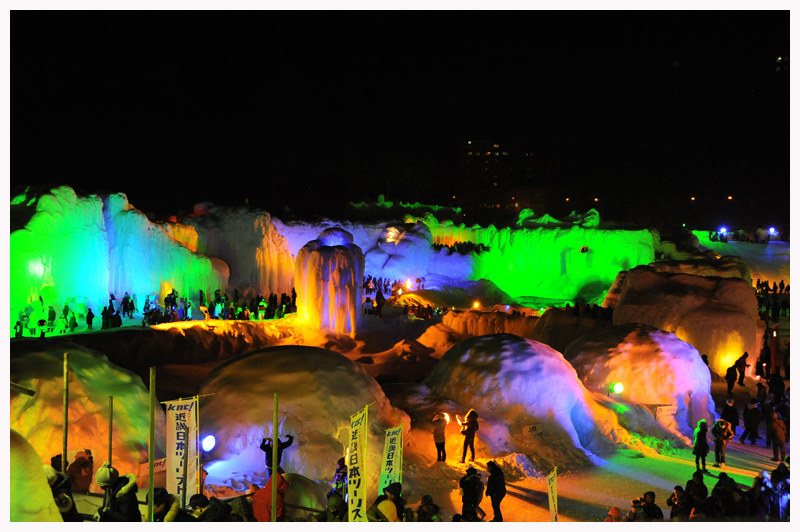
[(275, 444), (110, 425), (185, 466), (151, 446), (66, 414)]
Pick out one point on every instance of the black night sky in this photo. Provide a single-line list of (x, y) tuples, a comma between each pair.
[(310, 110)]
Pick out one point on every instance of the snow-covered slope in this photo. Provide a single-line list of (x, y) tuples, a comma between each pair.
[(31, 498), (718, 316), (318, 391), (38, 365), (654, 367)]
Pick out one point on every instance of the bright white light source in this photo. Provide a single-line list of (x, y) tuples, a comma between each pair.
[(209, 442), (476, 304), (772, 230), (723, 230)]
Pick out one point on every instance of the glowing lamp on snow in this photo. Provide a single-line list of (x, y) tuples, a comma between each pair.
[(772, 230), (615, 388), (476, 305), (209, 442)]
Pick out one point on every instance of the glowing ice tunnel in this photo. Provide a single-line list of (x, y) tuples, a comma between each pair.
[(328, 274)]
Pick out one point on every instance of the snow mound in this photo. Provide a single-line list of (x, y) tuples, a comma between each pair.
[(258, 256), (318, 391), (654, 367), (479, 323), (718, 316), (328, 280), (31, 498), (38, 365), (559, 328), (515, 383), (729, 266)]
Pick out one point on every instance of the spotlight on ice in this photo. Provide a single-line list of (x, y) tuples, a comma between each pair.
[(208, 443), (476, 304), (615, 388), (723, 230), (772, 230)]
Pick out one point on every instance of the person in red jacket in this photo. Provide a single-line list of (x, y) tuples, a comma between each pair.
[(262, 500)]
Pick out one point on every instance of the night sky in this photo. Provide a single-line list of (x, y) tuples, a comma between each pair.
[(310, 110)]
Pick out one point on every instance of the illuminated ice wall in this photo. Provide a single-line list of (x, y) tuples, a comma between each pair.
[(143, 259), (328, 276), (63, 246), (258, 256), (560, 262)]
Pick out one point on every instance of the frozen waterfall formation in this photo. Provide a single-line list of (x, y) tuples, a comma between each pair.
[(328, 274)]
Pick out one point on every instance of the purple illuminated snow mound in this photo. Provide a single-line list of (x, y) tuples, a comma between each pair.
[(655, 368), (335, 236), (318, 391)]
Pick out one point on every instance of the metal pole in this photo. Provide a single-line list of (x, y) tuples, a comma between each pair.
[(275, 443), (110, 425), (185, 464), (66, 414), (151, 446)]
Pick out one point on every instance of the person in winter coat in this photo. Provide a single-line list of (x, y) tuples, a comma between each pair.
[(468, 428), (742, 365), (266, 446), (614, 515), (62, 495), (650, 509), (496, 489), (382, 511), (121, 503), (777, 386), (752, 419), (51, 319), (167, 508), (780, 484), (339, 484), (262, 501), (439, 427), (777, 431), (679, 509), (700, 447), (730, 378), (767, 409), (722, 435), (80, 472), (471, 494), (695, 491), (428, 512), (731, 415), (73, 323), (635, 513), (89, 318), (761, 500)]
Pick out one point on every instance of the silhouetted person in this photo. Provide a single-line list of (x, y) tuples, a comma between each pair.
[(730, 378), (266, 446), (741, 365), (89, 318)]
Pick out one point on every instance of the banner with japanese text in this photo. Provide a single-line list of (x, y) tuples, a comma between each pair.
[(357, 478), (392, 465), (180, 415), (552, 495)]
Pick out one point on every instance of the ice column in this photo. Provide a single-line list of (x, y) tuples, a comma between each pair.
[(328, 274)]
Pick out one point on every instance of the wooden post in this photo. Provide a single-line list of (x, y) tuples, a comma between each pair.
[(110, 425), (275, 444), (185, 465), (151, 446), (66, 414)]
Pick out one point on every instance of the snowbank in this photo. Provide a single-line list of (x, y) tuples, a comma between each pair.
[(479, 323), (514, 383), (328, 280), (718, 316), (654, 367), (144, 259), (559, 328), (318, 391), (730, 266), (38, 365), (247, 241), (31, 498)]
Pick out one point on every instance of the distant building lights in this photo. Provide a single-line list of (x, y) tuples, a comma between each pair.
[(692, 198), (596, 199), (567, 199), (730, 197)]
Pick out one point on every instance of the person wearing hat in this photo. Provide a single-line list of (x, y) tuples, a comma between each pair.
[(649, 507), (496, 489), (614, 515), (121, 504), (468, 428), (635, 513), (730, 378), (427, 511), (262, 500), (81, 470), (731, 415), (62, 495), (336, 511), (752, 419), (471, 494), (379, 510)]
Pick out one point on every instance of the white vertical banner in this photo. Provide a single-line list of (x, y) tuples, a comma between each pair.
[(552, 495), (392, 464), (180, 415), (357, 478)]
